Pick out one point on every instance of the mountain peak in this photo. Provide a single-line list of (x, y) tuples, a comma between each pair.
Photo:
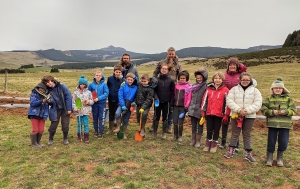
[(112, 48)]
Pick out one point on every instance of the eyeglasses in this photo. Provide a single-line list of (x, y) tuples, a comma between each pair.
[(245, 80), (277, 88)]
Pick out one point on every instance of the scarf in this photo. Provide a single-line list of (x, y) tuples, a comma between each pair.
[(193, 87)]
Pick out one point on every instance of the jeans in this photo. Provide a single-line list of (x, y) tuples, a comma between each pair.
[(125, 116), (98, 110), (280, 134)]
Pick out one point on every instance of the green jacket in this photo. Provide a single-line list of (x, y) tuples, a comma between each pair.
[(276, 102)]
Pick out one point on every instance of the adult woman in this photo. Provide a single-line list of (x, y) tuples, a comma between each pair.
[(244, 100)]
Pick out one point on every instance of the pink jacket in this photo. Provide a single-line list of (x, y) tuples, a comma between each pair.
[(180, 96), (232, 79)]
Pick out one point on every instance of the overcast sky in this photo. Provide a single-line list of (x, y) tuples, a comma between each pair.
[(145, 26)]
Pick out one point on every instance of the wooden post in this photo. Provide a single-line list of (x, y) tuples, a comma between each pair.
[(5, 82)]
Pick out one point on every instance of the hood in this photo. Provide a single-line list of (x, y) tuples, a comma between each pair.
[(203, 72), (102, 79)]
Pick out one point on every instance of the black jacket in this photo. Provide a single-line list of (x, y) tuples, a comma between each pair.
[(164, 91), (144, 95)]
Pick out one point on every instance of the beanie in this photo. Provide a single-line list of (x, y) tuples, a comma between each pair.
[(279, 83), (82, 80)]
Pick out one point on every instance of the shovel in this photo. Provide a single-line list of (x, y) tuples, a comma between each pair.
[(120, 134), (138, 136), (78, 105)]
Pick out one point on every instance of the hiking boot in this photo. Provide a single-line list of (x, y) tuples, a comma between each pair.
[(38, 139), (207, 145), (110, 127), (51, 136), (163, 136), (86, 138), (96, 133), (249, 156), (214, 146), (198, 140), (118, 122), (169, 130), (180, 139), (50, 142), (269, 159), (66, 142), (280, 158), (78, 137), (193, 141), (100, 136), (34, 144), (229, 153)]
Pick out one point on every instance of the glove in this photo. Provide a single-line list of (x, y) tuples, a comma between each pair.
[(141, 110), (239, 121), (156, 103), (133, 104), (182, 115), (202, 120), (225, 120), (234, 116), (171, 109), (124, 108), (186, 109)]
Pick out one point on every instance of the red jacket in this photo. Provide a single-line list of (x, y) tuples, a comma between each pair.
[(214, 100)]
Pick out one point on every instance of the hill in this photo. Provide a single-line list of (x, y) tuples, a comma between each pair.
[(293, 39)]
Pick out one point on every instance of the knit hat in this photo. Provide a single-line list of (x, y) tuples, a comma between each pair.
[(279, 83), (43, 86), (82, 80)]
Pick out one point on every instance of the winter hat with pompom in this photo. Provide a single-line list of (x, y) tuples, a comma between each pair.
[(82, 80), (278, 83)]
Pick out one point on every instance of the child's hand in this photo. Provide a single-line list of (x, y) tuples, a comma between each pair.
[(95, 99), (85, 102), (243, 112), (283, 112), (75, 109), (44, 100), (142, 110), (124, 108), (276, 112)]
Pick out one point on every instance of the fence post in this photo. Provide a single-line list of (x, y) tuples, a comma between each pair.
[(5, 82)]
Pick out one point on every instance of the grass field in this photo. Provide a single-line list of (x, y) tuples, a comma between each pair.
[(113, 163)]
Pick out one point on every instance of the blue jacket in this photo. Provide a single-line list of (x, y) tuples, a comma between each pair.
[(100, 88), (127, 92), (36, 108), (114, 85), (61, 99)]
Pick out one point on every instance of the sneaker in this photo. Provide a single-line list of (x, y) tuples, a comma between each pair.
[(50, 142), (222, 146), (100, 136), (169, 130), (229, 153), (180, 139), (66, 142), (249, 157), (164, 136), (236, 150), (96, 134)]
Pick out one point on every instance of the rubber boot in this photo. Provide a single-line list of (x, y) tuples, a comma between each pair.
[(34, 144), (180, 133), (198, 140), (155, 127), (165, 127), (78, 137), (66, 142), (224, 135), (207, 145), (193, 141), (269, 159), (110, 127), (214, 146), (38, 139), (86, 138), (175, 132), (51, 136), (280, 158), (124, 131), (118, 122)]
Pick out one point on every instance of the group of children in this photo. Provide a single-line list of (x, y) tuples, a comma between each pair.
[(212, 102)]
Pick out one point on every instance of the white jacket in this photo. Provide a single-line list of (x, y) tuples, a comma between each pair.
[(250, 100)]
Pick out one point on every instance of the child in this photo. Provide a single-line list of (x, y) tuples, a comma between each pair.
[(60, 107), (38, 113), (194, 98), (113, 83), (163, 95), (83, 113), (279, 109), (126, 96), (144, 99), (98, 108), (213, 107), (180, 104)]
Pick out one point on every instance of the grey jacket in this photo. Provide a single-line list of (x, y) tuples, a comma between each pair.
[(173, 71)]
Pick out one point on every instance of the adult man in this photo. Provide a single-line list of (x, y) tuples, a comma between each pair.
[(174, 69), (127, 66)]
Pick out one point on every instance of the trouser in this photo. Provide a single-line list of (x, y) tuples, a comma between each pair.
[(144, 115), (196, 127), (38, 126), (280, 134), (246, 132), (83, 120), (178, 122), (112, 106), (98, 110), (170, 118), (163, 109), (125, 116), (213, 125), (65, 122)]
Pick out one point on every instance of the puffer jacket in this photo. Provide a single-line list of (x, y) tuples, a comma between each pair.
[(279, 102), (130, 68), (173, 71), (144, 95), (61, 99), (180, 97), (100, 88), (164, 92), (127, 93), (83, 95), (233, 78), (114, 85), (249, 99), (36, 108), (214, 100)]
